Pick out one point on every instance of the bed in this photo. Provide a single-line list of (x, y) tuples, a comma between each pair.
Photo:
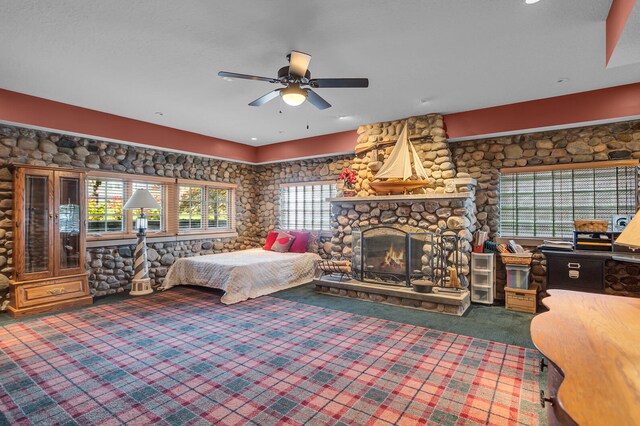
[(244, 274)]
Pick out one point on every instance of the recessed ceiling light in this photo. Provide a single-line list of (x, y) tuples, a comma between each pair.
[(159, 113), (227, 78), (254, 139), (562, 80), (342, 117), (531, 1)]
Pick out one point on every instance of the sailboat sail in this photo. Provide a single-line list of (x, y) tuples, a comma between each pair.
[(398, 165), (417, 164)]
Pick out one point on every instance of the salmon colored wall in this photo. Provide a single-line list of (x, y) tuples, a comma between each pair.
[(616, 21), (30, 110), (309, 147), (604, 104)]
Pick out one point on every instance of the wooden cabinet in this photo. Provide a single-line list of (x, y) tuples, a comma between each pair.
[(577, 271), (49, 241)]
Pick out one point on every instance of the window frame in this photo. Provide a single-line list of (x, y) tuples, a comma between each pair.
[(332, 193), (207, 186), (169, 209), (565, 167), (124, 213)]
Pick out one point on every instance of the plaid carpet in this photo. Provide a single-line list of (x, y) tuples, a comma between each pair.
[(183, 358)]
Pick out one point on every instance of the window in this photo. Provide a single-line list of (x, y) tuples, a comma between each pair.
[(218, 205), (203, 208), (545, 203), (190, 207), (186, 206), (106, 198), (305, 205), (104, 205), (154, 216)]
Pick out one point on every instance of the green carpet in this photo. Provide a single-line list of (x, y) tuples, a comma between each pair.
[(480, 321)]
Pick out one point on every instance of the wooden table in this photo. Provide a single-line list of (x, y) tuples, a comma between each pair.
[(593, 344)]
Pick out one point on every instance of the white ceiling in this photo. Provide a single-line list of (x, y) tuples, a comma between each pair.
[(134, 58)]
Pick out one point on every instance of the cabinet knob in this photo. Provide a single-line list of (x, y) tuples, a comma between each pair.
[(544, 400), (543, 364)]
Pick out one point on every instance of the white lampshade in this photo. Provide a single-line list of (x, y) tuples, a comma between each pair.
[(142, 199), (630, 236)]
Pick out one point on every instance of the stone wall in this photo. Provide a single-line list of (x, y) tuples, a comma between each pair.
[(429, 138), (482, 159), (271, 176), (110, 267)]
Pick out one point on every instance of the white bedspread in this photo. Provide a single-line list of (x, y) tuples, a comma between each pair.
[(244, 274)]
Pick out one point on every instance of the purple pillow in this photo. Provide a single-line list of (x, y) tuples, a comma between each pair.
[(300, 243)]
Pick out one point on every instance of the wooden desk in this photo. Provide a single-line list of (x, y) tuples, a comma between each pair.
[(593, 344)]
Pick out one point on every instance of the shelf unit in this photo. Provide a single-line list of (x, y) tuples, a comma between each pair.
[(482, 277), (49, 233)]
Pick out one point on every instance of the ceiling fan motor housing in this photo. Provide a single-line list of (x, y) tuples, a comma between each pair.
[(283, 74)]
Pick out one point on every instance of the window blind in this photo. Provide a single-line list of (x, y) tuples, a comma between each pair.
[(304, 206), (545, 203), (105, 201), (154, 216)]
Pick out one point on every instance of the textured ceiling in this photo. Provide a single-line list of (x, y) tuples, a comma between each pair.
[(137, 58)]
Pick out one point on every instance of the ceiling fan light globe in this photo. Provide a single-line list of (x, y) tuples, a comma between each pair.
[(293, 95)]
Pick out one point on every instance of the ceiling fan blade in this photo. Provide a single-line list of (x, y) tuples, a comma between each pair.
[(298, 63), (246, 76), (317, 100), (339, 82), (266, 98)]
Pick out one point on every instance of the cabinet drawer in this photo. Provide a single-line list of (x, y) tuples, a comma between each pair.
[(51, 291), (575, 273)]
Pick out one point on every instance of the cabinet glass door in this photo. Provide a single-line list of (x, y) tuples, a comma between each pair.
[(36, 224), (69, 217)]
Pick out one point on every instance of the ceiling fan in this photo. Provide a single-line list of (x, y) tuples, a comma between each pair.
[(294, 77)]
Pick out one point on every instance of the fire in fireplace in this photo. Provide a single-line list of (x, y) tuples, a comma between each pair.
[(394, 259)]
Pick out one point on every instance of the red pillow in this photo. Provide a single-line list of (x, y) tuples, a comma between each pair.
[(271, 238), (300, 243)]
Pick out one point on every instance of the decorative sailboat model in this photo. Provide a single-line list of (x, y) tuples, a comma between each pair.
[(398, 168)]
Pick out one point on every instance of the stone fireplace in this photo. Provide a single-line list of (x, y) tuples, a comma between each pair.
[(394, 238)]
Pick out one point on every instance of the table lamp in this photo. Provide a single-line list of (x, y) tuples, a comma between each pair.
[(630, 236), (141, 199)]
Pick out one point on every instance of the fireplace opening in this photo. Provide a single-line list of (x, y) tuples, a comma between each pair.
[(390, 255)]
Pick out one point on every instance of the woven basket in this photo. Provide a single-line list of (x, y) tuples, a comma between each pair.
[(591, 225), (516, 258)]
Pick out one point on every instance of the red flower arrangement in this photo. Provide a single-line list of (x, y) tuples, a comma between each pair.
[(349, 177)]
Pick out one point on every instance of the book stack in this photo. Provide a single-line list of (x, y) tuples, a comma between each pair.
[(512, 247), (478, 241)]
